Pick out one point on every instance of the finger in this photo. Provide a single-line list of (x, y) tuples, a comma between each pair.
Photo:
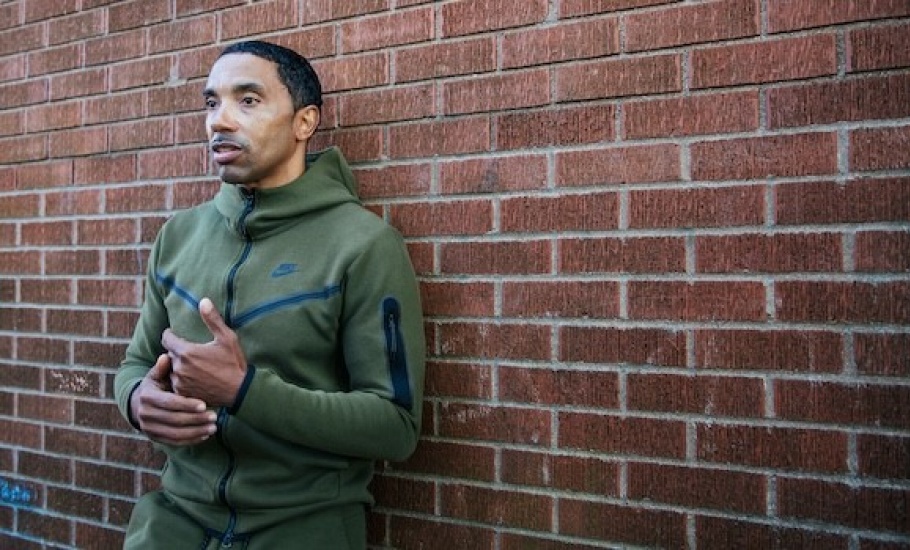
[(173, 403), (212, 319), (161, 369)]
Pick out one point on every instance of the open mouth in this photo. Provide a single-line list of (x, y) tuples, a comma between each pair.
[(225, 152)]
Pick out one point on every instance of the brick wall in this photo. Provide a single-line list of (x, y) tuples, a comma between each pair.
[(664, 249)]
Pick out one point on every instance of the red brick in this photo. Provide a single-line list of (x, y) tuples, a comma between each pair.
[(694, 115), (387, 105), (879, 47), (135, 199), (126, 262), (65, 321), (881, 251), (36, 10), (619, 78), (53, 116), (882, 509), (42, 407), (697, 301), (105, 478), (78, 142), (715, 532), (54, 60), (128, 106), (609, 345), (506, 257), (44, 526), (578, 299), (440, 138), (785, 15), (192, 7), (382, 31), (311, 42), (258, 18), (169, 163), (498, 507), (20, 206), (10, 15), (622, 255), (50, 291), (584, 475), (405, 494), (843, 302), (698, 207), (457, 299), (636, 164), (20, 262), (765, 157), (513, 541), (182, 34), (883, 457), (633, 436), (562, 42), (23, 149), (559, 387), (760, 62), (880, 149), (145, 72), (882, 354), (137, 14), (106, 231), (443, 59), (814, 351), (349, 73), (698, 487), (503, 341), (98, 354), (142, 134), (359, 144), (19, 94), (20, 433), (881, 406), (120, 324), (707, 395), (76, 27), (556, 127), (675, 26), (99, 415), (410, 533), (62, 440), (452, 379), (777, 253), (625, 525), (493, 174), (189, 129), (773, 447), (589, 212), (497, 93), (116, 47), (12, 123), (44, 467), (21, 320), (574, 8), (22, 39), (72, 262), (77, 84), (865, 98), (469, 217), (72, 201), (504, 424), (860, 200), (46, 233), (325, 10), (187, 194), (109, 292), (129, 450), (452, 460), (474, 16), (91, 535)]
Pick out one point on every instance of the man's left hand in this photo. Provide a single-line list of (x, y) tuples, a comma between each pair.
[(212, 372)]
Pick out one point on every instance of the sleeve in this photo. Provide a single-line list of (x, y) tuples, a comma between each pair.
[(145, 345), (384, 349)]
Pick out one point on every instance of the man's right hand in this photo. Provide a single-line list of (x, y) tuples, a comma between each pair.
[(165, 416)]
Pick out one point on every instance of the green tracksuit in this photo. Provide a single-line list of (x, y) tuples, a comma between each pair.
[(323, 298)]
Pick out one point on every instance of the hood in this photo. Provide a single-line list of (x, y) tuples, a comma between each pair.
[(326, 182)]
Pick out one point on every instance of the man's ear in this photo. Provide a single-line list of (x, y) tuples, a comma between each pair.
[(306, 120)]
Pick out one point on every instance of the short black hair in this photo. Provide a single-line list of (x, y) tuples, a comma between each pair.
[(294, 71)]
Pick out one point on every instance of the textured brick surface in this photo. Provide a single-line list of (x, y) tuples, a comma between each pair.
[(662, 249)]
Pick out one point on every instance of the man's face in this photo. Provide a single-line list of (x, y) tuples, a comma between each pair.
[(251, 124)]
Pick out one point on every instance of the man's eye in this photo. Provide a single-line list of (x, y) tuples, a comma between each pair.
[(210, 103), (249, 100)]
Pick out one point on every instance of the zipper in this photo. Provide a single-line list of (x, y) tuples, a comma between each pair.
[(392, 329), (227, 540), (249, 199)]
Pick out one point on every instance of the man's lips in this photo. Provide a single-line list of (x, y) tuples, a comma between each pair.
[(225, 151)]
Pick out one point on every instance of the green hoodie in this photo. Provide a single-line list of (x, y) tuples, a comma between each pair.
[(324, 300)]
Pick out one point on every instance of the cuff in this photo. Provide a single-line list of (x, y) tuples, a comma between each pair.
[(244, 387), (129, 407)]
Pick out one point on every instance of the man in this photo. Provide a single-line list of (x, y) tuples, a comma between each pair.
[(280, 348)]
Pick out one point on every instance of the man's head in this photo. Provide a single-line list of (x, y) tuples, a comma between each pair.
[(262, 104)]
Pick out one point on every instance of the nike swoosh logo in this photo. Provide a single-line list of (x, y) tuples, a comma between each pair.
[(284, 269)]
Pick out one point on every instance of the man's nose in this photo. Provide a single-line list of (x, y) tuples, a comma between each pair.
[(221, 119)]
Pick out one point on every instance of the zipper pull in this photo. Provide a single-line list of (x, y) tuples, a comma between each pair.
[(393, 335)]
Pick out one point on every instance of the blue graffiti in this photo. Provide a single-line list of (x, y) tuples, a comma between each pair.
[(13, 493)]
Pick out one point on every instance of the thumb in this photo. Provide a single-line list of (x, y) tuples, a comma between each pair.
[(212, 318), (162, 369)]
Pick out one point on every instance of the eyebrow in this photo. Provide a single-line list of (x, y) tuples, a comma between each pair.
[(240, 88)]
